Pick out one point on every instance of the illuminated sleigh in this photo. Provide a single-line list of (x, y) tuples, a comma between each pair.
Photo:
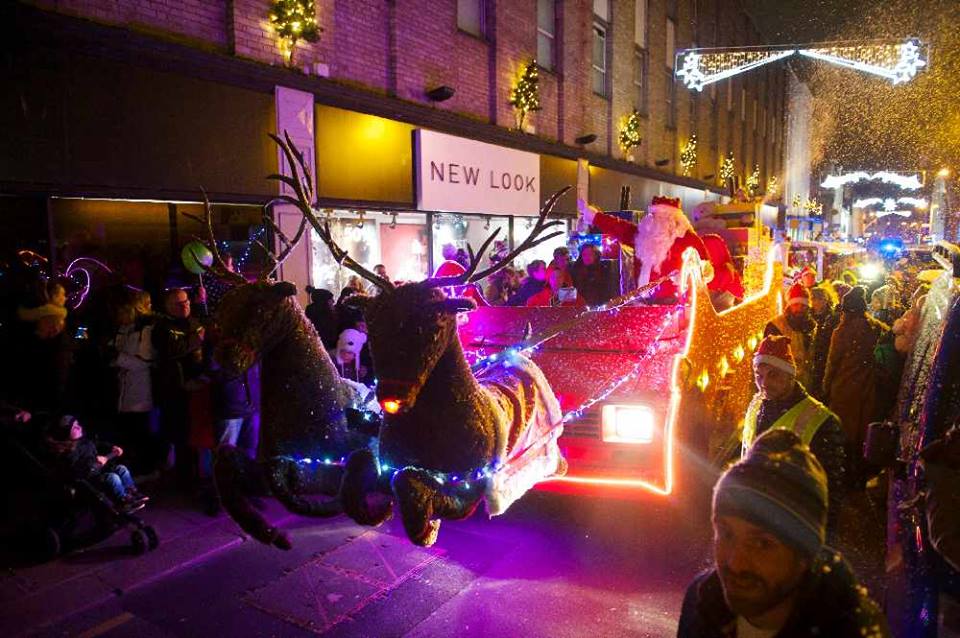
[(653, 395)]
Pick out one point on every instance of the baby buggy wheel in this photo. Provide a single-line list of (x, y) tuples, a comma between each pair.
[(152, 539), (139, 541), (52, 545)]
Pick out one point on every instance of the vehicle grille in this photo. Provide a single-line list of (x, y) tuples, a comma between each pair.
[(586, 427)]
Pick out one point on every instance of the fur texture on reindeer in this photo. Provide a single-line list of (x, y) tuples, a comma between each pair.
[(303, 399)]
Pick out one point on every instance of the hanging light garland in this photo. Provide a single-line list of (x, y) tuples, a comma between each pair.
[(905, 182), (292, 21), (753, 180), (525, 94), (727, 168), (898, 62), (688, 155), (629, 136)]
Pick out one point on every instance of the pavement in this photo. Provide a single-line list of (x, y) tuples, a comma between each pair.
[(543, 569)]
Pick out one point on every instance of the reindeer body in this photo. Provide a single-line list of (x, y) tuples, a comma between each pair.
[(302, 414)]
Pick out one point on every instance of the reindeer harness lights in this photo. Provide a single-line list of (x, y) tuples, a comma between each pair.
[(449, 439), (304, 399)]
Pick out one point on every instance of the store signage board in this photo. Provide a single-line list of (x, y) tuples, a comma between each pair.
[(465, 176)]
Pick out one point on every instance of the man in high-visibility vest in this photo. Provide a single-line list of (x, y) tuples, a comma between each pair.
[(782, 402)]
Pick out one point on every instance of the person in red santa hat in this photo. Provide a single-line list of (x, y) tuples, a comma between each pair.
[(796, 323), (659, 241)]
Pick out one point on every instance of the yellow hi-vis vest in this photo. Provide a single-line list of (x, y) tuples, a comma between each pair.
[(803, 419)]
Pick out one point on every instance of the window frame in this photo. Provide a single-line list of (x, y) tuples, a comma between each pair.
[(552, 65), (641, 62), (604, 29), (482, 18)]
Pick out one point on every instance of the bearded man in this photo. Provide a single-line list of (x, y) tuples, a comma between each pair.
[(659, 241), (772, 573)]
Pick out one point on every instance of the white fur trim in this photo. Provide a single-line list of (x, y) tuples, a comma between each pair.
[(776, 362)]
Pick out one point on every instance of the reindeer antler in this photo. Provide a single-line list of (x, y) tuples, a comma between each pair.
[(288, 244), (219, 268), (533, 239), (299, 180)]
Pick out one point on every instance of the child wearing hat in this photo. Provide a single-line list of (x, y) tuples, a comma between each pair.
[(81, 458)]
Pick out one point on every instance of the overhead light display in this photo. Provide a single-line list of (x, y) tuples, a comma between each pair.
[(906, 182), (898, 62)]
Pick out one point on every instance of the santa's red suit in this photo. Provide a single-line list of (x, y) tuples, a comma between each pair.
[(451, 268), (658, 242)]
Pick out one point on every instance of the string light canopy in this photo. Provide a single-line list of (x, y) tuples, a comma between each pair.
[(906, 182), (898, 62)]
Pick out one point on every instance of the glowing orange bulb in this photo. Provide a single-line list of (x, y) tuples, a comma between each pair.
[(391, 406)]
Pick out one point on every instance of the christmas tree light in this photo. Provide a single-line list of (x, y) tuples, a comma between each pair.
[(753, 180), (727, 168), (525, 94), (629, 136), (688, 155), (294, 20), (773, 185)]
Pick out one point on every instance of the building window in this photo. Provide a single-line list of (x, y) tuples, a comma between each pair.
[(754, 118), (743, 104), (693, 101), (471, 17), (640, 80), (714, 124), (729, 94), (546, 34), (640, 23), (671, 50), (671, 100), (599, 70), (601, 9)]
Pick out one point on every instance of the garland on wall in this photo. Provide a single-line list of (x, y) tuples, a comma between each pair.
[(294, 20), (525, 94), (629, 136)]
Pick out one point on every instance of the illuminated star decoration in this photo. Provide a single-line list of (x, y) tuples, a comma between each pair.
[(688, 155), (890, 205), (898, 62), (698, 69), (906, 182)]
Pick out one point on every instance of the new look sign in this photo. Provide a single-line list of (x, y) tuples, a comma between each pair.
[(461, 175)]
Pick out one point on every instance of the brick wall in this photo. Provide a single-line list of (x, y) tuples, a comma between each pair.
[(405, 47)]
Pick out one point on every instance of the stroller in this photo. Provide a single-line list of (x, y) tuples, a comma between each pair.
[(53, 515)]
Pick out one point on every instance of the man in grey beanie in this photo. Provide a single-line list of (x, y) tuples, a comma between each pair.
[(773, 576)]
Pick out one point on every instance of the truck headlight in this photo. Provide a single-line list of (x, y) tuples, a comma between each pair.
[(628, 423)]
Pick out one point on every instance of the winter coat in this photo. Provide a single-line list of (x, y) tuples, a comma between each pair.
[(135, 356), (827, 445), (528, 288), (78, 459), (592, 282), (235, 397), (801, 344), (850, 381), (826, 324), (324, 319), (830, 603), (179, 357)]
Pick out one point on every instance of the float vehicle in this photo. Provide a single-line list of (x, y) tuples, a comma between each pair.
[(928, 405), (652, 394)]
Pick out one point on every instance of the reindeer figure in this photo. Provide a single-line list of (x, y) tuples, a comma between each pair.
[(303, 397), (497, 431)]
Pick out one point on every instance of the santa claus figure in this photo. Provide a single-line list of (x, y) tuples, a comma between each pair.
[(659, 241)]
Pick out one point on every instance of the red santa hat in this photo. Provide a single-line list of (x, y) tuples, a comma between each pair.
[(775, 351), (665, 204), (798, 294)]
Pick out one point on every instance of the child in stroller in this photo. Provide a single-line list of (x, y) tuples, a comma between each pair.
[(81, 458)]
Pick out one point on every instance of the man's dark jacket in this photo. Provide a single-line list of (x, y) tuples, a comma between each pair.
[(831, 603)]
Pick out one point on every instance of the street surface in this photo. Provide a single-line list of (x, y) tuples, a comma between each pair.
[(552, 566)]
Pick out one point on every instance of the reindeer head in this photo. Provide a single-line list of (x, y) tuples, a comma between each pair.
[(410, 326), (410, 329), (251, 320)]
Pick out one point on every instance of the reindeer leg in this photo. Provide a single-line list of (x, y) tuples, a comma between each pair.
[(289, 481), (424, 501), (358, 491), (240, 479)]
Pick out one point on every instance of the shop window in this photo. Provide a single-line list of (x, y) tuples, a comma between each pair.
[(546, 34), (453, 232), (398, 241), (522, 226), (471, 17)]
